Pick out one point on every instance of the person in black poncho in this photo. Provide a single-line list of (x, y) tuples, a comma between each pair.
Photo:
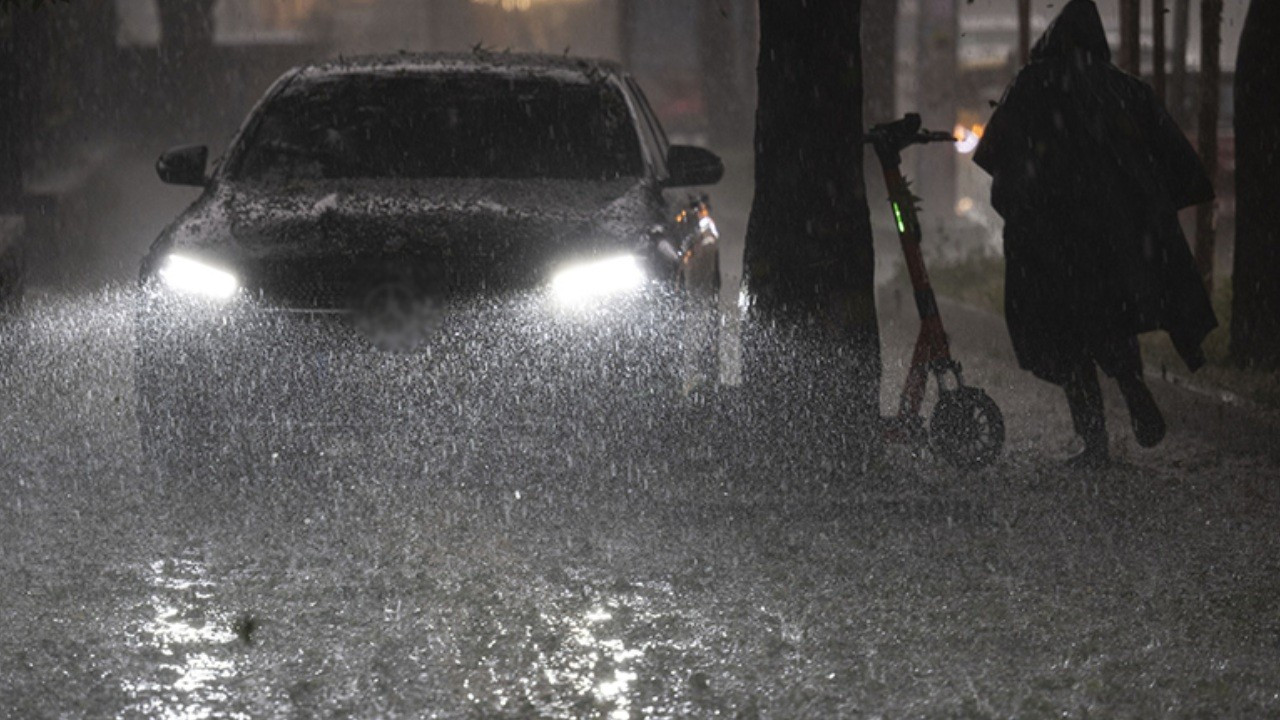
[(1088, 171)]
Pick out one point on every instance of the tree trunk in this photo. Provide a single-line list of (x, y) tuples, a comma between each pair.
[(1157, 48), (809, 260), (10, 122), (1210, 43), (879, 59), (1178, 51), (37, 56), (879, 66), (1130, 56), (1255, 305)]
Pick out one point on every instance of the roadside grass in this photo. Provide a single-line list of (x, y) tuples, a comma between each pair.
[(1220, 371), (979, 281)]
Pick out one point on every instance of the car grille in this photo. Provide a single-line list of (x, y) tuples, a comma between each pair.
[(342, 284)]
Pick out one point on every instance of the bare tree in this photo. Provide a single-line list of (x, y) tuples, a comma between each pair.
[(1255, 309), (809, 258)]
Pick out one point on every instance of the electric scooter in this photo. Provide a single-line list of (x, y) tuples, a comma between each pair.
[(966, 428)]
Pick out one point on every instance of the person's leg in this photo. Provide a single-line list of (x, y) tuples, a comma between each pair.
[(1084, 398), (1144, 414), (1122, 360)]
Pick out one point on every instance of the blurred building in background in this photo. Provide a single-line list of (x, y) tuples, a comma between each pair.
[(86, 71), (695, 59), (984, 59)]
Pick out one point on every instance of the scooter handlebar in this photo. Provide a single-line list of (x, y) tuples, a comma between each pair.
[(902, 133), (917, 139)]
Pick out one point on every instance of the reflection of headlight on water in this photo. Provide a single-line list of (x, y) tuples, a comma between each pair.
[(193, 277), (596, 280)]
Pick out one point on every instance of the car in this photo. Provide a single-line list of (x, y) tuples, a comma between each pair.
[(392, 240)]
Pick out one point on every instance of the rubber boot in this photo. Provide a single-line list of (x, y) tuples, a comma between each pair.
[(1084, 398), (1144, 414)]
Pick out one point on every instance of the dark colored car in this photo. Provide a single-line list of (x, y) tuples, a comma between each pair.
[(382, 229)]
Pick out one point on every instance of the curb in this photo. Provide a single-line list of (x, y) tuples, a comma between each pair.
[(1220, 395), (1185, 384)]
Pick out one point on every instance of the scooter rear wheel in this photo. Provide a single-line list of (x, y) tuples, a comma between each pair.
[(967, 428)]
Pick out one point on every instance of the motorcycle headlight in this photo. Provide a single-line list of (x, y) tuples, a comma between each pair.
[(598, 279), (193, 277)]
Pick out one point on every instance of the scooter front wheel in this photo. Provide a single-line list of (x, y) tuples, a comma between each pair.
[(967, 428)]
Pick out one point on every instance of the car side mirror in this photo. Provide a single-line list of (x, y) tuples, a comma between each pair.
[(688, 165), (183, 165)]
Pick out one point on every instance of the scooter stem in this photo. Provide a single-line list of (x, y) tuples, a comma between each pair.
[(932, 352)]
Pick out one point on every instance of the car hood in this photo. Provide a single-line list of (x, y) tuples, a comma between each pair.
[(458, 216)]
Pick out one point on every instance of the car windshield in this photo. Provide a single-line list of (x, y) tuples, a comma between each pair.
[(456, 126)]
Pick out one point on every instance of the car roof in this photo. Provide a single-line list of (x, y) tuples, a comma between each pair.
[(563, 68)]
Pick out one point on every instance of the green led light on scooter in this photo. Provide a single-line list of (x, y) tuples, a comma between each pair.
[(897, 213)]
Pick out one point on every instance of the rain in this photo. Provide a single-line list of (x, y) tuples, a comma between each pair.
[(615, 359)]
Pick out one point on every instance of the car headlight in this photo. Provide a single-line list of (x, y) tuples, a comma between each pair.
[(598, 279), (192, 277)]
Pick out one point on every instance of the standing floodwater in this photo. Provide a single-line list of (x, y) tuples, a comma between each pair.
[(411, 416)]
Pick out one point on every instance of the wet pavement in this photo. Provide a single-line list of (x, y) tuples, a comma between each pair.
[(680, 566)]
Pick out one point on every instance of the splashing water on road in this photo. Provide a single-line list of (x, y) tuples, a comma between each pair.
[(186, 643)]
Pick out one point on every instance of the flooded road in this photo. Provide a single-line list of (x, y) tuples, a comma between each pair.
[(630, 560), (185, 642), (715, 576)]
